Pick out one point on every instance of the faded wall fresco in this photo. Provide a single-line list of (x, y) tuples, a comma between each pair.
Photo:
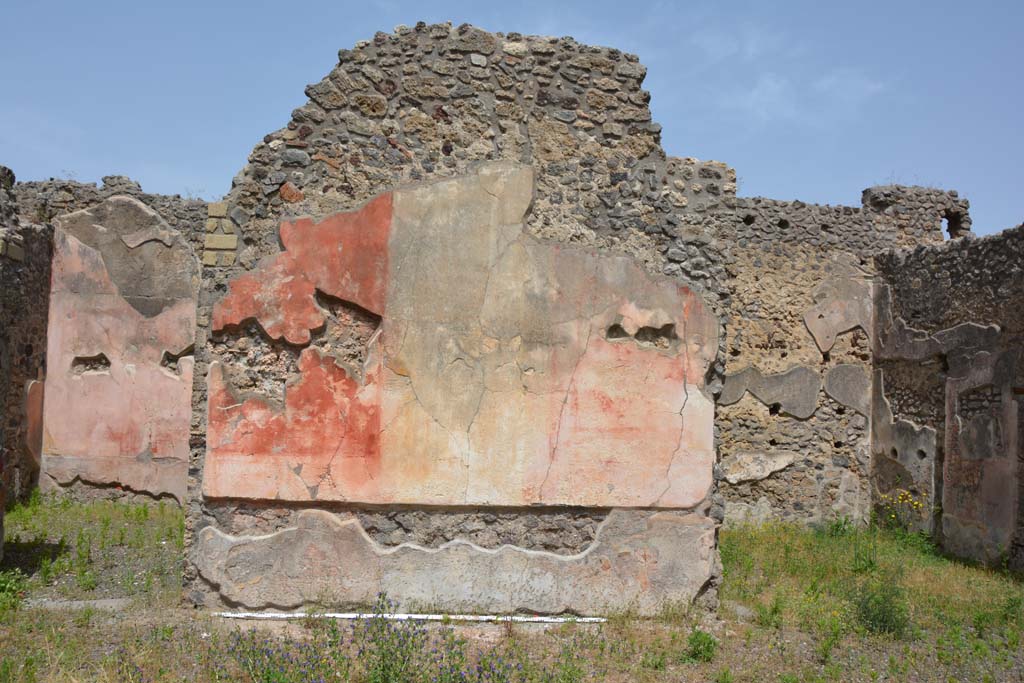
[(505, 371), (119, 381), (511, 356)]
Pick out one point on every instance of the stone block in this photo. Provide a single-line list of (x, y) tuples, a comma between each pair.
[(221, 242), (217, 209), (741, 467), (15, 251)]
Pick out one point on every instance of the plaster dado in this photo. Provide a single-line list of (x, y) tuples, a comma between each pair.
[(506, 371), (640, 560)]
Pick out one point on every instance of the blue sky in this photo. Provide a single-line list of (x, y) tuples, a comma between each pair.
[(807, 100)]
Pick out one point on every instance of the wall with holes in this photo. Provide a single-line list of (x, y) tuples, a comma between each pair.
[(794, 411), (465, 405), (437, 308), (461, 320), (949, 376), (113, 412)]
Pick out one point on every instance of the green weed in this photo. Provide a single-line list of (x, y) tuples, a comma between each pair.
[(881, 605), (724, 676), (701, 646), (770, 615), (12, 587)]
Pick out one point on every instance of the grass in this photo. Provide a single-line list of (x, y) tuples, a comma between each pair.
[(95, 550), (872, 586), (843, 603)]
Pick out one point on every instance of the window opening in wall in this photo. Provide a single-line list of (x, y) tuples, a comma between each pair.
[(952, 224)]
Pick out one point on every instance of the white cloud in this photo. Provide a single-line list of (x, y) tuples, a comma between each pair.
[(848, 85), (770, 97), (815, 101)]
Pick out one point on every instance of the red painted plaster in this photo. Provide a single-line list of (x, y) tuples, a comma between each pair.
[(329, 426), (586, 421), (345, 255)]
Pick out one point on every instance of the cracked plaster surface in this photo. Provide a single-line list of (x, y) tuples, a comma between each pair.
[(795, 391), (126, 424), (639, 560), (494, 378)]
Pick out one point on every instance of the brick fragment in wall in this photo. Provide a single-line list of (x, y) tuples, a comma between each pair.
[(217, 209), (221, 242)]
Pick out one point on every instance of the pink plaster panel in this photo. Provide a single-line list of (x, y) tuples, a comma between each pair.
[(34, 420), (329, 428), (126, 424)]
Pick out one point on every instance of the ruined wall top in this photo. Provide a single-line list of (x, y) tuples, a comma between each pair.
[(940, 286), (432, 101), (42, 201), (8, 205)]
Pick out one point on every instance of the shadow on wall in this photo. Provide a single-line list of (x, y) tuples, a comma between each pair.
[(949, 359), (25, 250)]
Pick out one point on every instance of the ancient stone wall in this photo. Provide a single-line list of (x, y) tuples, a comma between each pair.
[(512, 349), (42, 201), (467, 335), (121, 328), (793, 416), (949, 373), (25, 287)]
